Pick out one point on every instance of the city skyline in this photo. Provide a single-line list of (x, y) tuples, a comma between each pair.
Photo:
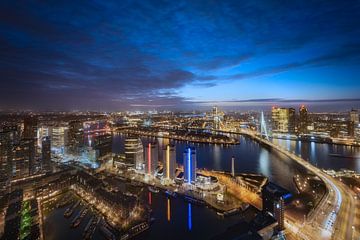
[(160, 119), (179, 55)]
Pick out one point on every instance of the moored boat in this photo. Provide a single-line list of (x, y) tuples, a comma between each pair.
[(153, 189)]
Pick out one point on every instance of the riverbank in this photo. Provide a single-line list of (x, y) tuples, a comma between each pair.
[(207, 197), (186, 136)]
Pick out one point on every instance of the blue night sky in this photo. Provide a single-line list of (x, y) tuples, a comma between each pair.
[(114, 55)]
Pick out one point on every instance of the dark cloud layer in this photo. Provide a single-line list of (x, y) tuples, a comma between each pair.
[(109, 55)]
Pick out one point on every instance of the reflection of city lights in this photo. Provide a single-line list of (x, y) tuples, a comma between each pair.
[(167, 161), (189, 217), (168, 210), (149, 159)]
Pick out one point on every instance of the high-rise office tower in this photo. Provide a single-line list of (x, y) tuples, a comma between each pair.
[(274, 199), (59, 135), (103, 145), (134, 152), (43, 131), (216, 118), (30, 127), (354, 117), (8, 137), (353, 123), (46, 152), (357, 133), (75, 136), (189, 158), (169, 160), (283, 120), (151, 158), (303, 120), (30, 135), (23, 158)]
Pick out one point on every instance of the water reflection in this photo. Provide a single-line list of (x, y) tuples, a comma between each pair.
[(168, 210), (217, 156), (313, 154), (264, 162), (149, 198), (189, 217), (325, 156), (288, 145)]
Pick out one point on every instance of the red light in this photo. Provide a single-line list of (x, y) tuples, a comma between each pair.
[(149, 158)]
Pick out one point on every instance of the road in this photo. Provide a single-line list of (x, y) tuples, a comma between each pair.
[(334, 218)]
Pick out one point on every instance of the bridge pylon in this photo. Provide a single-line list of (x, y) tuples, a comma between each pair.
[(263, 127)]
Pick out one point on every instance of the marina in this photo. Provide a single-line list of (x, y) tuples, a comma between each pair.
[(85, 225), (90, 227), (77, 220), (69, 211)]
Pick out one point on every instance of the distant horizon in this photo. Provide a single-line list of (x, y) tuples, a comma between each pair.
[(321, 105)]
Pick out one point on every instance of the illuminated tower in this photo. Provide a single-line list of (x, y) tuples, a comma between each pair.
[(103, 145), (216, 118), (23, 156), (354, 116), (8, 137), (46, 152), (283, 120), (75, 136), (190, 165), (151, 158), (303, 120), (274, 199), (169, 156), (134, 152), (353, 123), (30, 128)]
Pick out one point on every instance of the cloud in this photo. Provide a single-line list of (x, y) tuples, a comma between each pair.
[(340, 56), (118, 54)]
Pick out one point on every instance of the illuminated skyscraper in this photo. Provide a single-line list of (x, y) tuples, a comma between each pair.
[(169, 156), (30, 128), (59, 134), (217, 117), (8, 137), (103, 145), (274, 199), (354, 117), (353, 123), (283, 120), (357, 133), (189, 165), (75, 136), (151, 158), (134, 152), (46, 152), (23, 158), (303, 120), (30, 135)]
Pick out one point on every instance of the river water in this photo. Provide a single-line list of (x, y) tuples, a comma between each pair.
[(176, 219)]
